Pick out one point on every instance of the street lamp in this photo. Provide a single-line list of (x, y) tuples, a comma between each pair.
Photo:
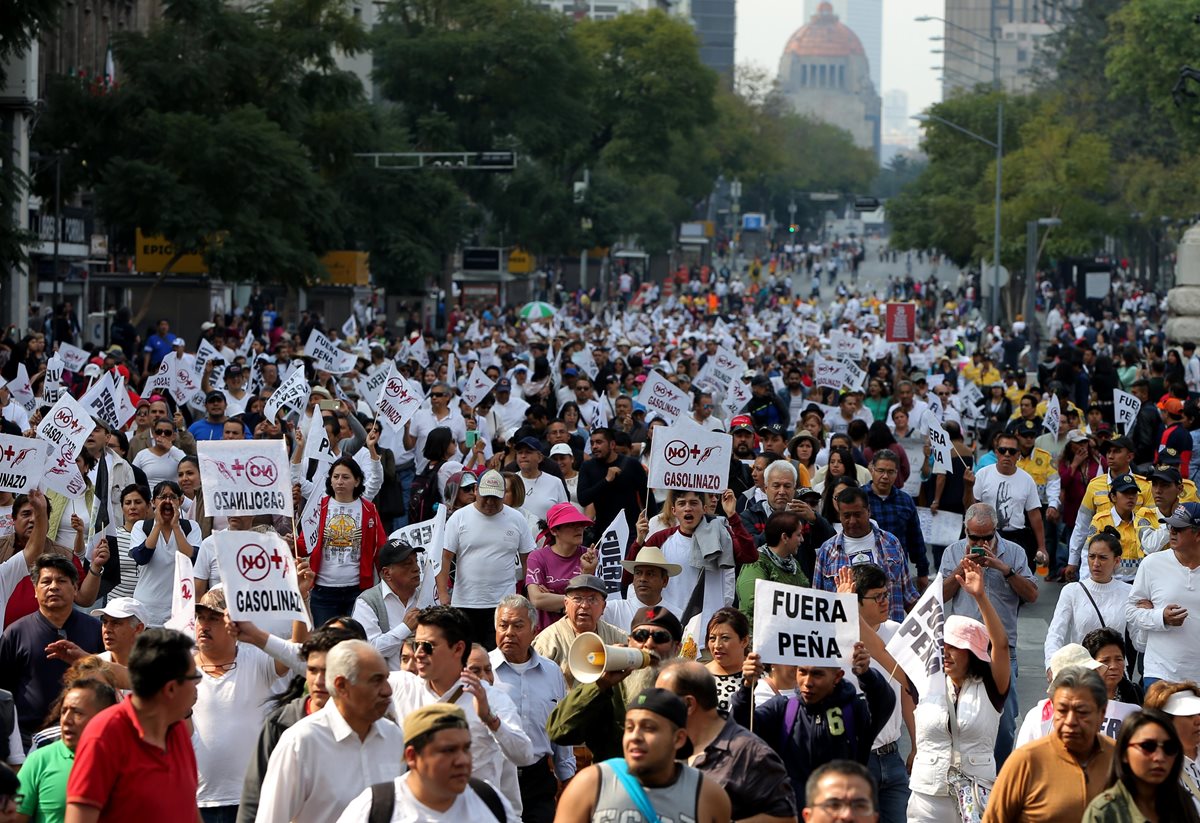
[(998, 145), (1031, 261)]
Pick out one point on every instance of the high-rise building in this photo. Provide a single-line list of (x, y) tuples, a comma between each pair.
[(997, 41), (865, 19), (895, 110), (824, 72), (716, 24)]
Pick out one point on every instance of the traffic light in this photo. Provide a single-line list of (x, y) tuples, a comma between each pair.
[(792, 228)]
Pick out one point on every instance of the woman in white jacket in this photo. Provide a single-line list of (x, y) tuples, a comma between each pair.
[(1097, 602)]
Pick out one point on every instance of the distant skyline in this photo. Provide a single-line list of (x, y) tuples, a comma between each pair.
[(764, 26)]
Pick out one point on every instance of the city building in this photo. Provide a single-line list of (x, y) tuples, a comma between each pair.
[(997, 41), (824, 72), (865, 19)]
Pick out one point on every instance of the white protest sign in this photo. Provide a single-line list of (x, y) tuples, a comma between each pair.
[(22, 462), (21, 389), (73, 357), (829, 373), (397, 401), (205, 352), (418, 351), (477, 386), (939, 447), (856, 378), (52, 382), (317, 445), (310, 519), (810, 328), (160, 381), (688, 459), (183, 597), (939, 529), (259, 576), (720, 370), (185, 383), (292, 395), (737, 395), (66, 426), (245, 477), (935, 407), (368, 387), (103, 400), (586, 362), (428, 535), (326, 356), (247, 343), (1053, 415), (610, 552), (663, 399), (804, 627), (350, 327), (1126, 407), (846, 346), (917, 644)]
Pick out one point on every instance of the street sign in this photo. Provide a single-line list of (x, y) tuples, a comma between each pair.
[(482, 259), (866, 204)]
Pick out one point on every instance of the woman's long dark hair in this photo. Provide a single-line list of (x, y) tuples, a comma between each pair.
[(880, 437), (1171, 800), (827, 509)]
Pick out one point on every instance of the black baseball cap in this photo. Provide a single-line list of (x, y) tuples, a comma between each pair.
[(396, 551), (214, 395), (1120, 441), (663, 703), (1125, 483), (1185, 516), (529, 443), (1166, 474), (772, 429)]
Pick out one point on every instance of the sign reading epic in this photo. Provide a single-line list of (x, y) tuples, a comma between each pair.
[(245, 477)]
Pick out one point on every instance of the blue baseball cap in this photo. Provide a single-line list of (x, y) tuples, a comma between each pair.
[(1185, 516)]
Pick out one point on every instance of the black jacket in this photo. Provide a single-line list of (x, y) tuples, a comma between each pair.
[(279, 720)]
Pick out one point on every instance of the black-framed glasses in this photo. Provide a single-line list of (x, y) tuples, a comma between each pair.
[(882, 598), (657, 635), (1007, 451), (167, 432), (980, 538), (195, 678), (1169, 747), (858, 806)]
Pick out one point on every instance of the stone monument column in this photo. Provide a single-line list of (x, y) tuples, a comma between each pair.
[(1183, 301)]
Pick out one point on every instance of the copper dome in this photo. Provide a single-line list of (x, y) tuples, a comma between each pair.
[(824, 36)]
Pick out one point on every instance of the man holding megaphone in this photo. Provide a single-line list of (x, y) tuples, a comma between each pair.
[(593, 712), (585, 603)]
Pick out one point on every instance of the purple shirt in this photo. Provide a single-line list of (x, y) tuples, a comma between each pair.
[(552, 572)]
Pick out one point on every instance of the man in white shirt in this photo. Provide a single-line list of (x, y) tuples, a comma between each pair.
[(327, 758), (12, 411), (509, 410), (485, 541), (439, 413), (443, 645), (1167, 580), (1013, 493), (438, 785), (917, 410), (1191, 369), (388, 610), (651, 574)]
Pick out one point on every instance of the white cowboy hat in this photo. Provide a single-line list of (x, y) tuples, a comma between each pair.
[(652, 556)]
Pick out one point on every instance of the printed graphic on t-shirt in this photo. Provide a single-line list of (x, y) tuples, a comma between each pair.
[(343, 537)]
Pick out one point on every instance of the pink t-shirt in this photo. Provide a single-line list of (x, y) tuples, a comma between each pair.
[(552, 572)]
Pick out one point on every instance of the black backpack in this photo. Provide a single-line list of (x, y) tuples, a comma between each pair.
[(424, 495), (383, 800)]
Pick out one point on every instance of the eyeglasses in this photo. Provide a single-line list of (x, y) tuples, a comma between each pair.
[(167, 432), (858, 807), (1169, 747), (881, 598), (980, 538), (657, 635), (424, 647), (195, 678), (1007, 451), (169, 498), (585, 599), (439, 394)]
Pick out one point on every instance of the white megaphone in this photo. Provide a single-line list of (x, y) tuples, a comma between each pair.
[(589, 658)]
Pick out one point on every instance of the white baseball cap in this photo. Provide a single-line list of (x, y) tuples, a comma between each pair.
[(122, 607), (1182, 704), (561, 448), (491, 484)]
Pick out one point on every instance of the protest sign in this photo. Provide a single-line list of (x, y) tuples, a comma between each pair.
[(687, 459), (160, 381), (939, 529), (22, 461), (292, 396), (259, 576), (350, 327), (846, 346), (21, 389), (610, 551), (477, 387), (856, 378), (1126, 408), (418, 351), (245, 477), (368, 386), (917, 644), (108, 401), (185, 383), (900, 325), (326, 356), (804, 627), (52, 382), (66, 426), (309, 526), (429, 534), (720, 370), (397, 401), (1053, 415), (935, 409), (939, 447), (810, 328), (205, 352), (829, 373), (663, 399), (73, 357), (183, 597), (317, 445), (737, 395)]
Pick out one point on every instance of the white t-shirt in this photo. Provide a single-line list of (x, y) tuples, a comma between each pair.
[(467, 806), (15, 413), (486, 550), (542, 493), (890, 733), (158, 468), (1040, 720), (423, 422), (1011, 496), (678, 549), (341, 545), (155, 579), (227, 719)]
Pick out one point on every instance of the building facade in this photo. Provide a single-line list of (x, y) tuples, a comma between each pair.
[(997, 41)]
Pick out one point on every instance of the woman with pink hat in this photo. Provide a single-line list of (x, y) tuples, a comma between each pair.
[(551, 567), (956, 727)]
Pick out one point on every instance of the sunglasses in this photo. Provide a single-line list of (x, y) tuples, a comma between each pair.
[(195, 678), (980, 538), (657, 635), (1007, 451), (424, 647), (1169, 747), (167, 432), (441, 394)]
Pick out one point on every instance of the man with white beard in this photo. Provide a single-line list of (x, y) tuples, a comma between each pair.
[(593, 714)]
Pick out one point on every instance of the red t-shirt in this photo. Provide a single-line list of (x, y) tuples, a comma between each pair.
[(23, 601), (127, 778)]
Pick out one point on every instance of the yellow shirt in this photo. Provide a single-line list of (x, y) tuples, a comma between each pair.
[(1131, 546), (1188, 495), (1095, 497), (973, 372), (1040, 465)]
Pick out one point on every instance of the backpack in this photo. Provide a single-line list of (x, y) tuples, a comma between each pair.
[(424, 495), (383, 800)]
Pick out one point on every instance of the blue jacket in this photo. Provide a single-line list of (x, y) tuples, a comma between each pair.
[(841, 727)]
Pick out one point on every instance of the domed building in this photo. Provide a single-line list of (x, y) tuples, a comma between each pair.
[(824, 73)]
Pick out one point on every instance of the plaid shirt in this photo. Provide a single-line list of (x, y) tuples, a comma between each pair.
[(831, 557), (897, 514)]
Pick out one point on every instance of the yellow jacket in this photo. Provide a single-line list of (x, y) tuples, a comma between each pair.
[(1041, 467), (1095, 497), (1131, 545)]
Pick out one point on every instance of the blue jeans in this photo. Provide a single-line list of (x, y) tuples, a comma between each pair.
[(219, 814), (404, 476), (328, 602), (891, 777), (1006, 734)]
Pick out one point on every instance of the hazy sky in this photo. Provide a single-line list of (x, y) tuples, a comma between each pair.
[(764, 26)]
